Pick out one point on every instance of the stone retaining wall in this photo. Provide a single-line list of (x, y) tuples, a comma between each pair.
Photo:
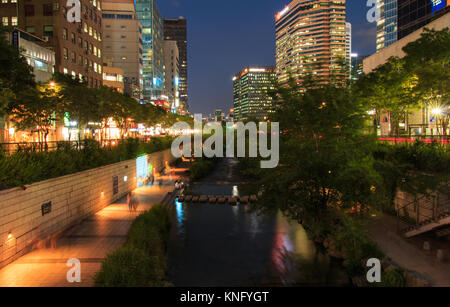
[(23, 225)]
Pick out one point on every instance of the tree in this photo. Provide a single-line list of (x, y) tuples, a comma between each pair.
[(15, 73), (35, 110), (78, 100), (390, 87), (325, 163), (429, 58)]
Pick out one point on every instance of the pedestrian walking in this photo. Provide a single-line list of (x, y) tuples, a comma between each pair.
[(129, 201), (134, 202)]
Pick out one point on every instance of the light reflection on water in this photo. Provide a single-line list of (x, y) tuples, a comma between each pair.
[(222, 245)]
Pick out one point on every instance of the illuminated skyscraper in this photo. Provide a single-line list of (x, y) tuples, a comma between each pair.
[(176, 29), (152, 45), (308, 33), (414, 14), (348, 43), (250, 93), (387, 25)]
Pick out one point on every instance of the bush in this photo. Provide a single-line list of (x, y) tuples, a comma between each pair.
[(126, 267), (142, 261), (201, 167), (393, 278), (27, 167), (353, 240)]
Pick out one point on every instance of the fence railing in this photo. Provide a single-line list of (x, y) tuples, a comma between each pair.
[(10, 148), (421, 211)]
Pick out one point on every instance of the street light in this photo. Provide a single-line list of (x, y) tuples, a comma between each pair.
[(436, 111)]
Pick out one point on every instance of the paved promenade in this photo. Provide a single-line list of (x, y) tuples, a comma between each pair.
[(407, 255), (89, 242)]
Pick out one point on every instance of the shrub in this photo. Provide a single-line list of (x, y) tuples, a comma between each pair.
[(393, 278), (26, 167), (126, 267), (142, 261), (201, 167)]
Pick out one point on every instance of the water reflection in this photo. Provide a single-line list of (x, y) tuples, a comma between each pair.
[(223, 245), (180, 215)]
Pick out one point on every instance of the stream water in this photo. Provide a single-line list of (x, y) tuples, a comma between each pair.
[(223, 245)]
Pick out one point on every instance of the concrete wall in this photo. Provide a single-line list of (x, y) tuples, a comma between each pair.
[(74, 197), (405, 202)]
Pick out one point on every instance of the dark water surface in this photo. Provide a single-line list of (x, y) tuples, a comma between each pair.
[(223, 245)]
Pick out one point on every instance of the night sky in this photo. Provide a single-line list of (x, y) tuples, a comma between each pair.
[(224, 36)]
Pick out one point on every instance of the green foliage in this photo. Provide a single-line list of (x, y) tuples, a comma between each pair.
[(15, 73), (27, 167), (393, 278), (352, 239), (420, 79), (142, 261), (201, 167), (414, 168)]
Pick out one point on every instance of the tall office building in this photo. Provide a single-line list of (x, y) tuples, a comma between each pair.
[(348, 43), (308, 33), (387, 25), (172, 74), (122, 44), (152, 45), (414, 14), (176, 29), (77, 46), (251, 93)]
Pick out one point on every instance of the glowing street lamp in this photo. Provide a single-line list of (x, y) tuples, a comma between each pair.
[(436, 111)]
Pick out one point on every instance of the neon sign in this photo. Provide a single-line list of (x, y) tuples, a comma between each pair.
[(437, 5)]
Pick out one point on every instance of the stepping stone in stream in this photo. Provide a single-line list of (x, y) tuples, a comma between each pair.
[(203, 199), (195, 199), (232, 201), (212, 199), (188, 198), (244, 200)]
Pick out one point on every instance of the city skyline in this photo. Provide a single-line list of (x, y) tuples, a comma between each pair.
[(244, 40)]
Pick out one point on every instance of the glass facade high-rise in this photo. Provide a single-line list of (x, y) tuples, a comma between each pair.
[(152, 45), (176, 29), (310, 39), (387, 25), (414, 14), (251, 93)]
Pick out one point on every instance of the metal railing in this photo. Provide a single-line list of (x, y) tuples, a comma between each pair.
[(11, 148), (422, 211)]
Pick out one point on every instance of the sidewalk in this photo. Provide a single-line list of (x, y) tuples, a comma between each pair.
[(407, 255), (89, 242)]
